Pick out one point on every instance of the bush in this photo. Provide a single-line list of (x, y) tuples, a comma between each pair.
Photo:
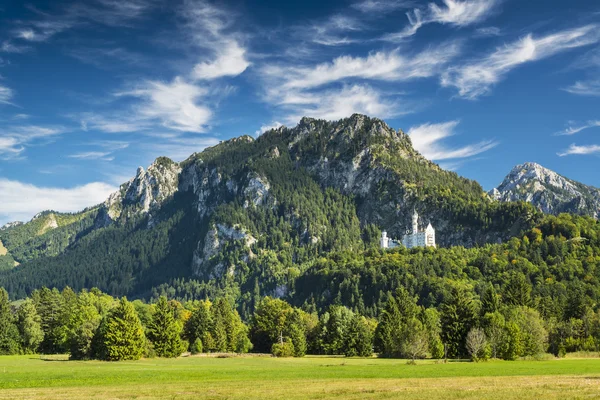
[(196, 347), (285, 349)]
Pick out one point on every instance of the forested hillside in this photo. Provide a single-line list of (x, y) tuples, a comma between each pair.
[(535, 294)]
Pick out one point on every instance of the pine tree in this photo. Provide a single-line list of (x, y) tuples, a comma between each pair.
[(30, 327), (359, 340), (164, 331), (121, 334), (518, 291), (9, 334), (457, 317), (200, 325)]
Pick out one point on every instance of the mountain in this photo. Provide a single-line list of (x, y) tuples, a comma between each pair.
[(252, 215), (550, 192)]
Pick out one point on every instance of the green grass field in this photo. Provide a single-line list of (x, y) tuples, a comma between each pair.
[(28, 377)]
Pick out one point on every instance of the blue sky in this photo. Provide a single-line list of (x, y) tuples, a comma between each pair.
[(90, 90)]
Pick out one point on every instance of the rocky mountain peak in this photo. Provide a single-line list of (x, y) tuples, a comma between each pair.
[(547, 190)]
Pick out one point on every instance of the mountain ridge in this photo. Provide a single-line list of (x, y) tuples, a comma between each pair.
[(258, 211)]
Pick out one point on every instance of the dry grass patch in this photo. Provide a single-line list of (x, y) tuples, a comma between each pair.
[(529, 387)]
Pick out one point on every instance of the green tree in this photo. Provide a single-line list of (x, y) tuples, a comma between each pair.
[(30, 327), (359, 338), (9, 334), (164, 331), (269, 323), (457, 317), (121, 334), (517, 291)]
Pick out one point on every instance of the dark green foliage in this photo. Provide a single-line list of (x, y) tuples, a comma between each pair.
[(164, 331), (218, 326), (9, 334), (30, 327), (458, 316), (121, 335), (359, 338)]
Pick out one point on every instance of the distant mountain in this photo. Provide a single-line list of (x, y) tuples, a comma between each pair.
[(548, 191), (252, 215)]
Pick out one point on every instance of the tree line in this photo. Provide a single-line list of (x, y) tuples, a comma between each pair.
[(94, 325)]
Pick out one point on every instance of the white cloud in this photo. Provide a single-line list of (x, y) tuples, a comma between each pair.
[(267, 127), (174, 105), (92, 155), (106, 12), (571, 130), (310, 90), (115, 123), (384, 66), (14, 140), (476, 78), (580, 150), (454, 12), (585, 88), (209, 28), (488, 31), (21, 201), (5, 95), (369, 6), (428, 138), (341, 103), (8, 47), (230, 61)]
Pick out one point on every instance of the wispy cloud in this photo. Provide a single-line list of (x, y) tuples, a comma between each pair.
[(106, 12), (488, 31), (21, 201), (477, 77), (311, 89), (93, 155), (15, 139), (454, 12), (580, 150), (384, 66), (585, 88), (107, 58), (370, 6), (115, 123), (428, 140), (571, 130), (209, 27), (6, 95), (340, 103), (9, 47), (174, 105), (335, 30)]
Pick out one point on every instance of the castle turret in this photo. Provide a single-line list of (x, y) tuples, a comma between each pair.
[(384, 240), (415, 223)]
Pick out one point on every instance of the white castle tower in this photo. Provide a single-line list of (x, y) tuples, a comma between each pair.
[(424, 238)]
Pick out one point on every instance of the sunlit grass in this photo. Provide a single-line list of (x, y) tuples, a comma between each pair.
[(309, 377)]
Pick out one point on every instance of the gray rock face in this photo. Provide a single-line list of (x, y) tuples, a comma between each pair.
[(147, 191), (550, 192)]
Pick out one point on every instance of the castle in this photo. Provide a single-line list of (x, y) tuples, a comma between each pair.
[(424, 238)]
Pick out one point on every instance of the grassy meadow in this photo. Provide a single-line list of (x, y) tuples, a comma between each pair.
[(29, 377)]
